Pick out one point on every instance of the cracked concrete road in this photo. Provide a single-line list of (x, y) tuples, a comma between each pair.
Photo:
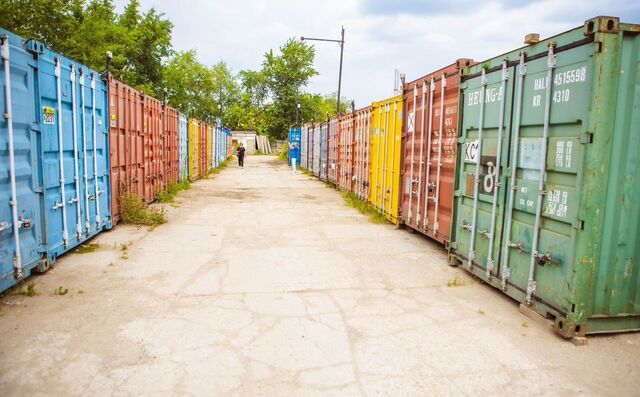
[(264, 284)]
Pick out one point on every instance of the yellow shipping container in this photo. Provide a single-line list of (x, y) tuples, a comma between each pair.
[(210, 143), (194, 149), (385, 149)]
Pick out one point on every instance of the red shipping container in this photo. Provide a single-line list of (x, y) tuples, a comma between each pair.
[(345, 152), (135, 144), (171, 145), (361, 131), (429, 151)]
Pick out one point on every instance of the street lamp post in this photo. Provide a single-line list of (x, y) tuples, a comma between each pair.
[(341, 42)]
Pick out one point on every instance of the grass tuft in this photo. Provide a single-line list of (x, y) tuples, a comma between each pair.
[(457, 281), (87, 248), (351, 200), (60, 291), (134, 213), (167, 196), (25, 289)]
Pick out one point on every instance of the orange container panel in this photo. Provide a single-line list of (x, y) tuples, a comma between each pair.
[(171, 145), (361, 128), (429, 151)]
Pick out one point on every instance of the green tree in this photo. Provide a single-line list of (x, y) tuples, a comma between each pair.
[(284, 75)]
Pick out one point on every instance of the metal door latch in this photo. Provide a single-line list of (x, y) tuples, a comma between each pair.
[(546, 259), (4, 226), (517, 246), (24, 222)]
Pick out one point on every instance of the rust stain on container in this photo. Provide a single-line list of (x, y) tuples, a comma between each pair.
[(429, 150)]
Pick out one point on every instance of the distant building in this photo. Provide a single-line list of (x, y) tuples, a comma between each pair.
[(247, 138)]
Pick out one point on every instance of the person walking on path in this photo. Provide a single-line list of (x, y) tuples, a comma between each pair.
[(240, 151)]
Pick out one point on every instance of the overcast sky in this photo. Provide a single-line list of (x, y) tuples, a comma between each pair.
[(413, 36)]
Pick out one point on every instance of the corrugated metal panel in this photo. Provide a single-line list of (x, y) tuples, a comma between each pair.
[(153, 147), (316, 150), (332, 154), (559, 232), (306, 146), (171, 145), (59, 182), (194, 149), (21, 248), (386, 127), (345, 152), (324, 151), (184, 146), (137, 144), (429, 151), (203, 167), (125, 143), (210, 146), (362, 128)]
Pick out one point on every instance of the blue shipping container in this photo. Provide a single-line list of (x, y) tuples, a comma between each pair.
[(54, 161), (184, 147)]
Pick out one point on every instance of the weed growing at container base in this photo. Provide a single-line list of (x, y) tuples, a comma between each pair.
[(87, 248), (168, 195), (224, 164), (25, 289), (134, 213), (351, 200)]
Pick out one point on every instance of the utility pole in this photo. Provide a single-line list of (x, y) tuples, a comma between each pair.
[(341, 43)]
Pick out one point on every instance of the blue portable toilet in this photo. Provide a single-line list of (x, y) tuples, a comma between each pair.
[(295, 139)]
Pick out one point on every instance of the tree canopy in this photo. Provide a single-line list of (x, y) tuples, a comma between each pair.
[(264, 100)]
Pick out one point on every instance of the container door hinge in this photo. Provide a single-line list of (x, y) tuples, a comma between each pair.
[(457, 193), (453, 245)]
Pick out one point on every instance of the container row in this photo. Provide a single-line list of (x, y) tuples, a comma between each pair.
[(524, 167), (72, 142)]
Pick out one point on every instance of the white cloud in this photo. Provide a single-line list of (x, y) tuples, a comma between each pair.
[(414, 39)]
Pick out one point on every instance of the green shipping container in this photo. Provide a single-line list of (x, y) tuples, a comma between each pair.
[(547, 201)]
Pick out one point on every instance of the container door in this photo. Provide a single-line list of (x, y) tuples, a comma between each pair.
[(548, 144), (391, 180), (376, 134), (74, 148), (481, 188), (22, 230)]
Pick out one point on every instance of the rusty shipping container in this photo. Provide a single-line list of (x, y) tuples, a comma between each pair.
[(136, 144), (332, 150), (345, 152), (361, 130), (171, 145), (429, 151)]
